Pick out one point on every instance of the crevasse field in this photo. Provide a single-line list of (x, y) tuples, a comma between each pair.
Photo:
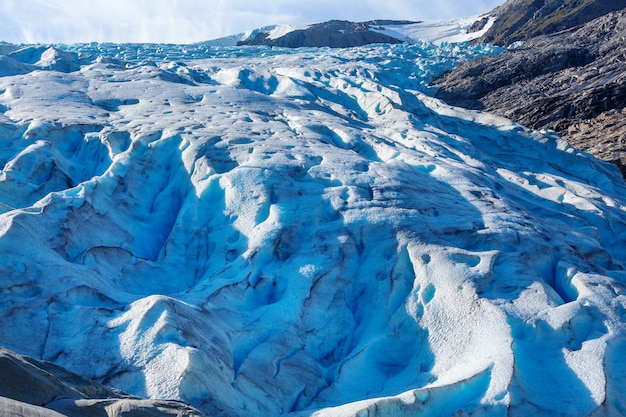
[(267, 232)]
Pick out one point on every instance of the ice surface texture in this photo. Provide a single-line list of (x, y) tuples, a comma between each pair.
[(263, 232)]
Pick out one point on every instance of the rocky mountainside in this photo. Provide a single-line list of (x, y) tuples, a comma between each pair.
[(572, 81), (29, 387), (520, 20)]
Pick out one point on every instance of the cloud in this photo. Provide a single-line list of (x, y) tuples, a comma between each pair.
[(186, 21)]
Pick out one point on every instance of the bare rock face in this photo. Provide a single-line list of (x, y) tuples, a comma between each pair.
[(40, 389), (603, 135), (572, 82)]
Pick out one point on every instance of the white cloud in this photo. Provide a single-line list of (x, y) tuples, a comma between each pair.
[(185, 21)]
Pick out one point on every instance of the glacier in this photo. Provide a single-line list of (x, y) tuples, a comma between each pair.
[(272, 232)]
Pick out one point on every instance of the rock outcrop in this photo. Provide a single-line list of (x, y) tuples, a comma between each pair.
[(572, 82), (34, 388)]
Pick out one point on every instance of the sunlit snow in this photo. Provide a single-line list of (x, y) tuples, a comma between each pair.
[(264, 232), (435, 31)]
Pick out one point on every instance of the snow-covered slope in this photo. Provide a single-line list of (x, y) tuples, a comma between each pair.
[(439, 31), (264, 232)]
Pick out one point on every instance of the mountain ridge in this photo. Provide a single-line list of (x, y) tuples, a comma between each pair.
[(334, 33), (342, 33)]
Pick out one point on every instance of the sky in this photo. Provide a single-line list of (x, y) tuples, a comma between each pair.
[(189, 21)]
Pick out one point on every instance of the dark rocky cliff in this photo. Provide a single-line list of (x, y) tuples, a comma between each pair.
[(573, 82)]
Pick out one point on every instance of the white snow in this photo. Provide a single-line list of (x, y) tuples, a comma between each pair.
[(281, 30), (272, 31), (438, 31), (265, 232)]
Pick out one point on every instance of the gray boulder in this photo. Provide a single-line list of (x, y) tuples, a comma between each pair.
[(39, 389)]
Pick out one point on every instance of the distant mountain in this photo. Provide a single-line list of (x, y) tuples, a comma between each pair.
[(342, 33), (571, 81), (515, 20), (335, 33)]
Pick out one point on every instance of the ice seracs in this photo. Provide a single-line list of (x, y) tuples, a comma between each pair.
[(275, 232)]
